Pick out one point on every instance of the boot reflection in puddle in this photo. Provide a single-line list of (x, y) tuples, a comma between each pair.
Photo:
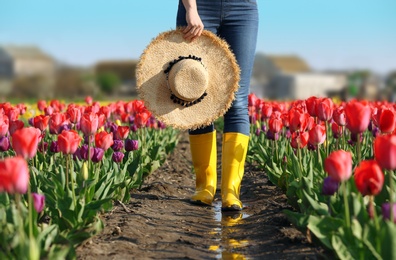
[(229, 219), (228, 244)]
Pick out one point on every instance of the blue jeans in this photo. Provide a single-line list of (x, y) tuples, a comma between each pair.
[(236, 21)]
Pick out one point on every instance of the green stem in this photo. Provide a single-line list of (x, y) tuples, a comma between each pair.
[(68, 159), (327, 138), (347, 215), (30, 212), (20, 222), (67, 172), (391, 199), (358, 149), (299, 162)]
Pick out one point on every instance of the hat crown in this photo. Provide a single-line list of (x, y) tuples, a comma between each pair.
[(188, 79)]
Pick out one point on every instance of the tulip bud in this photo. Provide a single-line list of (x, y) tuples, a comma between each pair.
[(330, 186), (97, 155), (386, 208), (84, 170), (38, 202), (131, 145), (117, 157), (4, 144), (117, 145)]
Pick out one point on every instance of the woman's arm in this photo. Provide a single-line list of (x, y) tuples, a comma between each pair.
[(194, 24)]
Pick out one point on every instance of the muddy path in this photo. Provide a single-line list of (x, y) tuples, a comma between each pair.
[(160, 223)]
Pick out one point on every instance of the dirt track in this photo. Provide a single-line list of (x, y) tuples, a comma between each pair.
[(160, 223)]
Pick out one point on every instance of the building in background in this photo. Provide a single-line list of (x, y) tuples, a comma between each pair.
[(290, 77), (19, 64)]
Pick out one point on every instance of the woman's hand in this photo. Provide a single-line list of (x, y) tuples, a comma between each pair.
[(194, 25)]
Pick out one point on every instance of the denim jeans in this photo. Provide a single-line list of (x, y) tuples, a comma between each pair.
[(236, 21)]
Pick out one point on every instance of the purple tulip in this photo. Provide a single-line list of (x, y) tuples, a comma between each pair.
[(42, 147), (54, 147), (263, 128), (64, 127), (252, 119), (330, 186), (38, 202), (161, 125), (131, 145), (117, 157), (97, 155), (133, 128), (288, 134), (84, 152), (89, 139), (4, 144), (258, 131), (375, 131), (386, 211), (30, 121), (117, 145), (112, 127), (271, 136)]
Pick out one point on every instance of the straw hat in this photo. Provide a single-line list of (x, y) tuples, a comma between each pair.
[(185, 84)]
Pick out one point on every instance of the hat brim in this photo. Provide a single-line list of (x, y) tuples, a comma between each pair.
[(223, 73)]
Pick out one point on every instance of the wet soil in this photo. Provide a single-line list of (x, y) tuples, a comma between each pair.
[(160, 223)]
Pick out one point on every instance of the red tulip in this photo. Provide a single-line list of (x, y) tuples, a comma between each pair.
[(358, 115), (122, 132), (14, 175), (4, 125), (336, 129), (298, 120), (41, 105), (57, 120), (68, 141), (13, 114), (324, 109), (275, 122), (141, 118), (311, 105), (15, 125), (41, 122), (338, 165), (266, 110), (88, 100), (138, 106), (385, 151), (25, 142), (369, 178), (339, 116), (104, 140), (317, 135), (74, 114), (252, 98), (299, 139), (387, 121), (89, 123)]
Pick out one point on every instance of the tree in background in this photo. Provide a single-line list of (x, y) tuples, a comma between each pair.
[(108, 82)]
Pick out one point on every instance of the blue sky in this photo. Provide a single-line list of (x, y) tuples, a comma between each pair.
[(328, 34)]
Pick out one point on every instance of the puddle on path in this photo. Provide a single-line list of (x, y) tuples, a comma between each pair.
[(227, 245)]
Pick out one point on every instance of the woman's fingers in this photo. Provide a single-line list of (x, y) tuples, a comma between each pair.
[(192, 32)]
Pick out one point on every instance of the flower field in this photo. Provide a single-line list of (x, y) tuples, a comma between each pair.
[(336, 163), (63, 165)]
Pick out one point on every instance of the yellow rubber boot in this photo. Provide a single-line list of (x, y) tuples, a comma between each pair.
[(204, 157), (234, 151)]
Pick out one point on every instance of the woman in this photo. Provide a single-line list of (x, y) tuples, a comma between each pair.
[(236, 21)]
